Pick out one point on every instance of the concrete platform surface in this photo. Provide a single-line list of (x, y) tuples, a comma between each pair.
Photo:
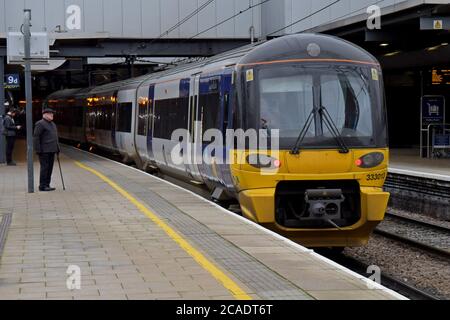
[(119, 233), (408, 162)]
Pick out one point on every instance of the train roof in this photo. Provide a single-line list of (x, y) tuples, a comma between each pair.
[(135, 82), (123, 85), (307, 46), (63, 93)]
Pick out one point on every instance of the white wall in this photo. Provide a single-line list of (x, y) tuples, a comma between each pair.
[(295, 10), (150, 18), (134, 18)]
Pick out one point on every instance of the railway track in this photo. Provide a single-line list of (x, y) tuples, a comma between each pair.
[(388, 281), (427, 236)]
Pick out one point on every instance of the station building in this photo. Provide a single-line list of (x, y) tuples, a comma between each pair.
[(411, 41)]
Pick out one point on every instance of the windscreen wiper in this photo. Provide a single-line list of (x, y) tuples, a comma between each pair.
[(333, 129), (330, 125), (301, 136)]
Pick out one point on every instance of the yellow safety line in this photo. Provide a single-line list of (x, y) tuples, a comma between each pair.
[(215, 271)]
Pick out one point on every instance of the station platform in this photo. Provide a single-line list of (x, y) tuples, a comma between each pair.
[(135, 236), (408, 162), (419, 185)]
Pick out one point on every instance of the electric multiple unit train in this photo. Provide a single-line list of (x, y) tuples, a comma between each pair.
[(321, 96)]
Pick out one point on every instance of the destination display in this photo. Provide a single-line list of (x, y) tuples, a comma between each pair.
[(440, 77)]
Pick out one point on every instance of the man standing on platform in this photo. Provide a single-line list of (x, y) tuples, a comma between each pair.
[(10, 131), (46, 144)]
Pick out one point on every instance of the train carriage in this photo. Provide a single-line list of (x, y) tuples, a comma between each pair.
[(322, 97)]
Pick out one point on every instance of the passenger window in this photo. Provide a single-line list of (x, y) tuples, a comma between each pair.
[(170, 114), (124, 112)]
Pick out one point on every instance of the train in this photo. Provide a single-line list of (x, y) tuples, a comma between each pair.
[(320, 183)]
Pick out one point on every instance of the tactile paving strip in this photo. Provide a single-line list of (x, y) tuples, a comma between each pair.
[(263, 281), (4, 224)]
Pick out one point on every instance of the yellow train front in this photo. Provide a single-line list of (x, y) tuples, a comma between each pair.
[(321, 100)]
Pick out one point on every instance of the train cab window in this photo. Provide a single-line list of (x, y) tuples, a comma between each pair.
[(124, 112), (293, 94), (348, 102), (142, 116), (290, 95)]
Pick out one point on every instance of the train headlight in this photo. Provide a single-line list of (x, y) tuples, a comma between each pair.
[(370, 160), (313, 49), (276, 163), (263, 161)]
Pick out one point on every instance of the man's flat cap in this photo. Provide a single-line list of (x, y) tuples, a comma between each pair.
[(48, 110)]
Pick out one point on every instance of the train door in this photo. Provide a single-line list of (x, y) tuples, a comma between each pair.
[(125, 123), (195, 131), (102, 122), (90, 120), (141, 129), (226, 119), (168, 117), (113, 120), (176, 114), (209, 105), (151, 117)]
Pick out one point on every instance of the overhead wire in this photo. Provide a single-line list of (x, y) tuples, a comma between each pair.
[(185, 19), (251, 6), (304, 18), (229, 18), (353, 12)]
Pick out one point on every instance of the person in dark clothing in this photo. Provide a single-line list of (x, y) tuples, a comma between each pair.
[(10, 131), (46, 144)]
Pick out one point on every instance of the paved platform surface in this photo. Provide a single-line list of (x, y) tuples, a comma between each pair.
[(134, 236), (408, 161)]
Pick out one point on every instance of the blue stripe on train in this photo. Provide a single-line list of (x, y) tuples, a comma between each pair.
[(184, 87)]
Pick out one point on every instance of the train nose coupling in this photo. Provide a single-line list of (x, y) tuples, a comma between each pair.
[(324, 203), (317, 209)]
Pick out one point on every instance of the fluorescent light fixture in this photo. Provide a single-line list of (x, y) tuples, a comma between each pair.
[(390, 54), (443, 44), (433, 48)]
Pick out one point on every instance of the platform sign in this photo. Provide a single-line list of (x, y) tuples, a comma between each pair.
[(12, 81), (435, 23), (39, 48), (433, 110)]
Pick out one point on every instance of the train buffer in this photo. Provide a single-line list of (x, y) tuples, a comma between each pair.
[(119, 233)]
